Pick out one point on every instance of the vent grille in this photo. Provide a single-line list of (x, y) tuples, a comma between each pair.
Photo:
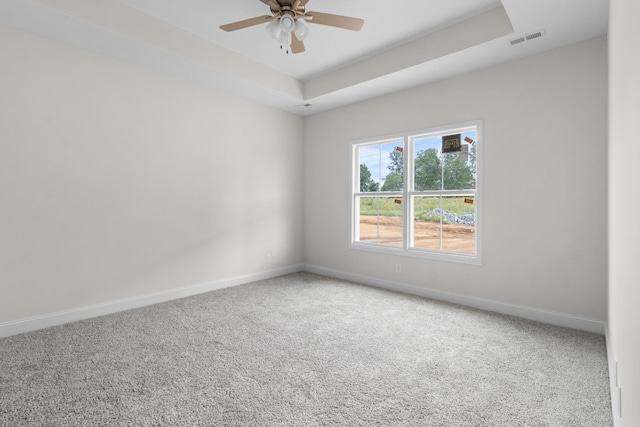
[(528, 37), (534, 35)]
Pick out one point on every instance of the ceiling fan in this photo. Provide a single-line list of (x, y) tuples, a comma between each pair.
[(286, 26)]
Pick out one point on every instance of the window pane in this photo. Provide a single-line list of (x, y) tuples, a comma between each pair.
[(426, 225), (428, 165), (381, 167), (459, 169), (380, 220), (444, 223), (458, 224)]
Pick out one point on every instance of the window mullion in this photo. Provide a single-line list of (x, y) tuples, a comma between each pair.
[(407, 179)]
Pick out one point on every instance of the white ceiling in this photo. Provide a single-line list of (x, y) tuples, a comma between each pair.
[(327, 47), (402, 44)]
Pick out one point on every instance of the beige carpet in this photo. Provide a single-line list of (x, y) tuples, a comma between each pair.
[(304, 350)]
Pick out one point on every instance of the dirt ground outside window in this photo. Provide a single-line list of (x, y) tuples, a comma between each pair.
[(455, 237)]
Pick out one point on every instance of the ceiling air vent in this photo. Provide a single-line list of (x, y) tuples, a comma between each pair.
[(534, 35), (528, 37)]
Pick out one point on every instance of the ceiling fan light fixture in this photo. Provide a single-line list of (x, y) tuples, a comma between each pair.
[(287, 23), (284, 38), (301, 30), (273, 28)]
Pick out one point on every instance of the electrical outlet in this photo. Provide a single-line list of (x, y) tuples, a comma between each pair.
[(267, 259), (398, 268)]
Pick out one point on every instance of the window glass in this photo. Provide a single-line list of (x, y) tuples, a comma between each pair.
[(380, 220), (427, 225), (458, 224), (428, 164), (381, 167), (458, 170)]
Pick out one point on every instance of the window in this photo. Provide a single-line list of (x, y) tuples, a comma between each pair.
[(418, 194)]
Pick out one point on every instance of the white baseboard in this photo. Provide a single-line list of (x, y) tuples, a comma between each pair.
[(613, 381), (58, 318), (110, 307), (530, 313)]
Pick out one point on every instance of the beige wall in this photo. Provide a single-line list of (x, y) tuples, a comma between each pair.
[(116, 181), (545, 180), (624, 205)]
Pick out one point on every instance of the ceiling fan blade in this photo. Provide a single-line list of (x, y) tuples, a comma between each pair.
[(296, 44), (247, 23), (339, 21)]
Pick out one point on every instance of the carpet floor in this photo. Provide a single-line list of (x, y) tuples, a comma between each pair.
[(304, 350)]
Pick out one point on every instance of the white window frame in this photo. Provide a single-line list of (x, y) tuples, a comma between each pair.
[(408, 193)]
